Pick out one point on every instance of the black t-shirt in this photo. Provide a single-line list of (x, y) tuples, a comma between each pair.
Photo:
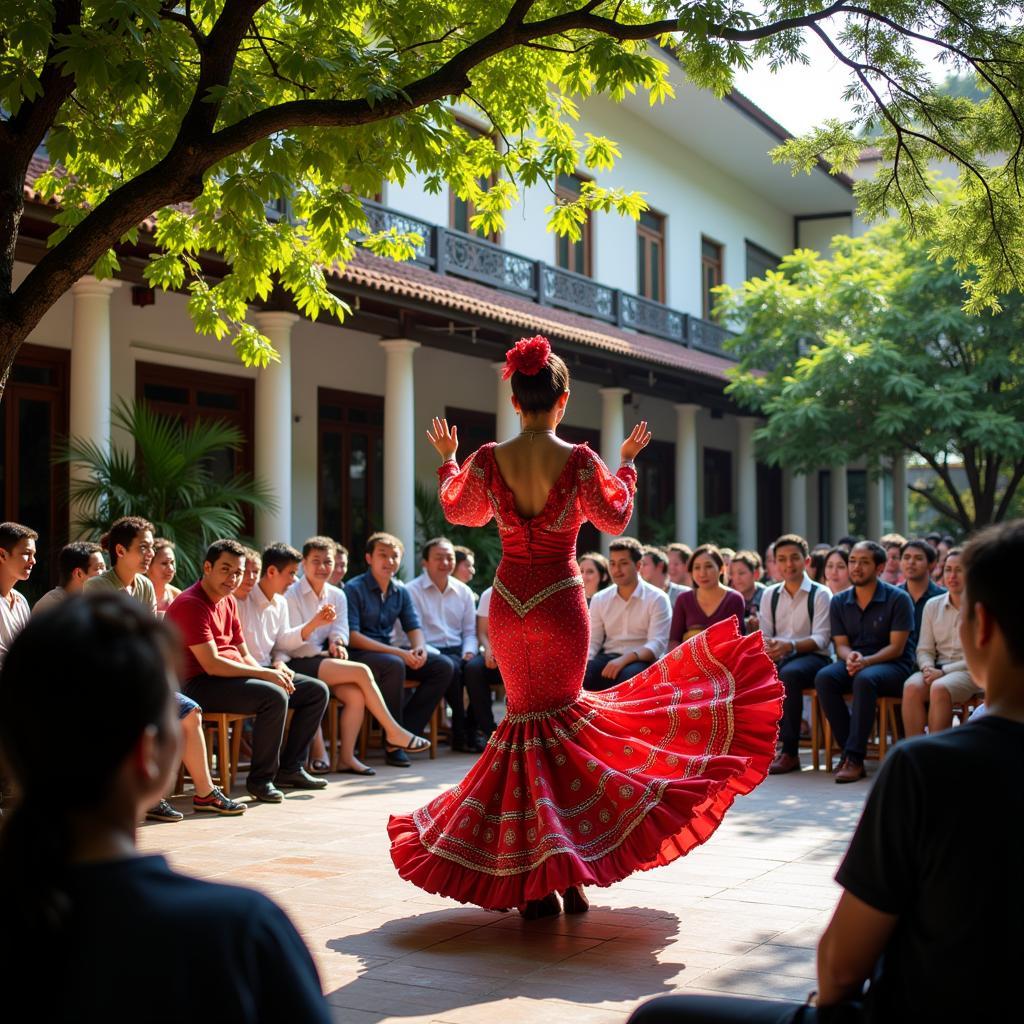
[(144, 943), (940, 845)]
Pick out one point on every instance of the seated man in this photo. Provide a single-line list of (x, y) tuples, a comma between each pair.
[(376, 601), (78, 561), (872, 623), (794, 620), (678, 560), (893, 544), (629, 622), (482, 670), (745, 579), (936, 813), (916, 560), (943, 679), (17, 559), (340, 570), (447, 612), (221, 675), (654, 570)]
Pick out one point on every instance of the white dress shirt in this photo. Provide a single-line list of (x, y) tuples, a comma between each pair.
[(939, 643), (14, 616), (790, 619), (618, 626), (448, 617), (483, 609), (303, 604), (266, 627)]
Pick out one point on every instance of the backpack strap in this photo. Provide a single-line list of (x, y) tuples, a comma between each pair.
[(812, 594)]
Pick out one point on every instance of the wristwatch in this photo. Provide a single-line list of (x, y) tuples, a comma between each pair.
[(628, 462)]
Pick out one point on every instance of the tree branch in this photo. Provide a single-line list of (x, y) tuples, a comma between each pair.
[(942, 471), (940, 506), (1011, 490)]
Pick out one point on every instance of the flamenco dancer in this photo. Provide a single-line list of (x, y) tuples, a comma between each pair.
[(578, 788)]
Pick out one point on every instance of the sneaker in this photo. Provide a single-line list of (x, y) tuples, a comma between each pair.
[(217, 803), (163, 812)]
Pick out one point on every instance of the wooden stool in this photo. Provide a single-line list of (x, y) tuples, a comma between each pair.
[(228, 742), (816, 727), (333, 717)]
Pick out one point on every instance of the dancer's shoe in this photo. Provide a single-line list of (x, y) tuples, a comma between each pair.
[(574, 900), (547, 907)]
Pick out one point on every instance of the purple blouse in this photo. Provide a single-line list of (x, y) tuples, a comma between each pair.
[(688, 614)]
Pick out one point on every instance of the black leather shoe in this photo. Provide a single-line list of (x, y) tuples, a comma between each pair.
[(397, 759), (265, 792), (299, 779), (464, 745)]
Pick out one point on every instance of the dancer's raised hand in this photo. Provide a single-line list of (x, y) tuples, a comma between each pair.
[(443, 438), (639, 439)]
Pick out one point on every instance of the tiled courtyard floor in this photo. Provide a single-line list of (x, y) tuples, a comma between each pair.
[(741, 914)]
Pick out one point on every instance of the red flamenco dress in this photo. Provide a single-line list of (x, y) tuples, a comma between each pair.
[(579, 788)]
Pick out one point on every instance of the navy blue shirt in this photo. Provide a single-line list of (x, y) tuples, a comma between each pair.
[(147, 944), (890, 611), (933, 591), (373, 613)]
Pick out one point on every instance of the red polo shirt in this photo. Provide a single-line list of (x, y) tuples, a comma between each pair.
[(200, 621)]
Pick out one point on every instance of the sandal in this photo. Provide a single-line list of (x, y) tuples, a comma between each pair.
[(417, 745), (320, 766)]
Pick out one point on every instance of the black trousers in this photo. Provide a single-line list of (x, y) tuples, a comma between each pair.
[(270, 704), (465, 725), (593, 680), (479, 681), (390, 671), (797, 674), (736, 1010)]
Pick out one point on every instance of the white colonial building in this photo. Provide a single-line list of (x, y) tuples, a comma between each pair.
[(338, 426)]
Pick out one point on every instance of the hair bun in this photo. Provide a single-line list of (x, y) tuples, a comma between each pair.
[(527, 356)]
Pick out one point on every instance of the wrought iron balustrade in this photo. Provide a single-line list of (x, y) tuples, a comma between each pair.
[(652, 317), (473, 257), (581, 294), (709, 337), (383, 218)]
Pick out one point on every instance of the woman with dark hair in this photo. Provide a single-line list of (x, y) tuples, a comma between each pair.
[(816, 570), (161, 573), (577, 788), (837, 569), (125, 935), (709, 602), (595, 573)]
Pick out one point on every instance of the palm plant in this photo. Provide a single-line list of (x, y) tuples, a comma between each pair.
[(484, 541), (165, 476)]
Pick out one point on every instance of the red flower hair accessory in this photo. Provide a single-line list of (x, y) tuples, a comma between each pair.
[(528, 356)]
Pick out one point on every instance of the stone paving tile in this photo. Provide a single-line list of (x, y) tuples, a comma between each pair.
[(741, 914)]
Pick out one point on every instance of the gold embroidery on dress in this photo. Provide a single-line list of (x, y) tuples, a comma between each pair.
[(523, 608), (559, 523)]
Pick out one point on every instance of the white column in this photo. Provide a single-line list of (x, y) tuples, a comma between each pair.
[(876, 506), (687, 451), (796, 514), (746, 478), (507, 425), (90, 367), (400, 444), (273, 436), (899, 495), (839, 499), (612, 435)]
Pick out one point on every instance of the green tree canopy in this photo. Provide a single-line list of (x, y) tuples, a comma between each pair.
[(870, 354), (199, 112)]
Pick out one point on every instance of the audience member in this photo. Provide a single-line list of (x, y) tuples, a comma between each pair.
[(816, 569), (678, 560), (871, 624), (129, 544), (933, 537), (744, 578), (943, 680), (122, 934), (465, 564), (847, 542), (916, 560), (161, 574), (771, 570), (595, 573), (727, 557), (893, 544), (709, 602), (323, 654), (78, 561), (340, 570), (376, 601), (794, 619), (654, 570), (252, 569), (447, 613), (943, 548), (837, 570), (628, 622), (936, 812), (17, 558), (482, 670), (221, 675)]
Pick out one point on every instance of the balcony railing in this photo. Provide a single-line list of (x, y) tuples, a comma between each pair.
[(468, 256)]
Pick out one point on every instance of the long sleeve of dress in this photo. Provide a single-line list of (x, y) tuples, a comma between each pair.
[(606, 498), (463, 492)]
